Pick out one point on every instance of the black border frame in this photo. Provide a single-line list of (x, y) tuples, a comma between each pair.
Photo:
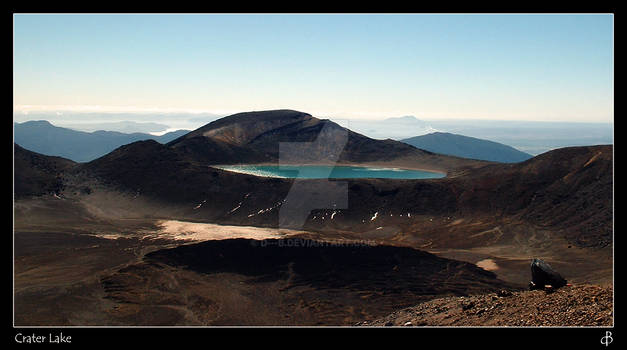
[(584, 337)]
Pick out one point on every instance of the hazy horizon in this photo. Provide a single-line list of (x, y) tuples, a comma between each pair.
[(191, 121)]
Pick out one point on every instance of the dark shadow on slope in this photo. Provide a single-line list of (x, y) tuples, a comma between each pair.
[(356, 267)]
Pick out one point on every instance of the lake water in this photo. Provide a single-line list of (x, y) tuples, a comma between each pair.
[(326, 171)]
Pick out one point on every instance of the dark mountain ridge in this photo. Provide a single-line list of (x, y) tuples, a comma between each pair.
[(568, 189), (255, 137)]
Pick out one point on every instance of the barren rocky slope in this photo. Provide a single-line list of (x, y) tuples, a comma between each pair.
[(37, 174), (579, 305), (568, 189)]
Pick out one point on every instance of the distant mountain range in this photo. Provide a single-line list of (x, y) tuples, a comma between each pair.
[(80, 146), (42, 137), (533, 137), (127, 127), (467, 147)]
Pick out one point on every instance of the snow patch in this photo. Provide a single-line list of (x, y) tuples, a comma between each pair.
[(200, 204), (268, 209), (234, 209)]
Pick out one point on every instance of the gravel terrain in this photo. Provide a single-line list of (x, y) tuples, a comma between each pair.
[(579, 305)]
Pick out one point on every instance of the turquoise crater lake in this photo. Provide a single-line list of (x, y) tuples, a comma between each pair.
[(328, 171)]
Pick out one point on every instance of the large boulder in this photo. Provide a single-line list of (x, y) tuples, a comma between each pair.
[(542, 275)]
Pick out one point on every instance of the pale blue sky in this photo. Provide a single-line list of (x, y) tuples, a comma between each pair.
[(508, 67)]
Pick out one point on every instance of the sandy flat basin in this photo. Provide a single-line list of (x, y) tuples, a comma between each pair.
[(193, 231), (488, 265)]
